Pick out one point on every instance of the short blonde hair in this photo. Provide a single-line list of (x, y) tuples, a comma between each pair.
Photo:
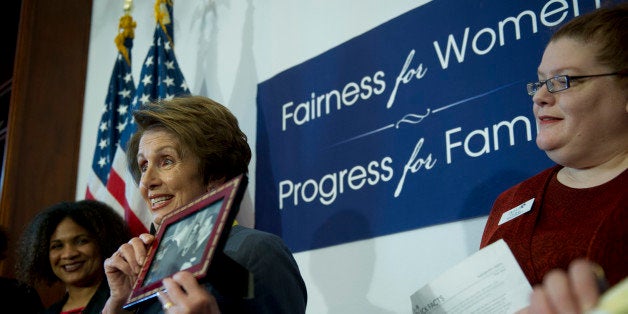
[(203, 127)]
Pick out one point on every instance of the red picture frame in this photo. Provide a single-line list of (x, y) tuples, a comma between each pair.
[(188, 238)]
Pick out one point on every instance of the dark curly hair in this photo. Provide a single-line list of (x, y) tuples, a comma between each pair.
[(107, 227)]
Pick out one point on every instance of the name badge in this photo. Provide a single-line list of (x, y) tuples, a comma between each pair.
[(516, 212)]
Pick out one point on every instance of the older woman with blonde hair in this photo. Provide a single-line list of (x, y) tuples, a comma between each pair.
[(183, 148)]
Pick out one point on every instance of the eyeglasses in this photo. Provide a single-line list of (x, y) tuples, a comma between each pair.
[(560, 82)]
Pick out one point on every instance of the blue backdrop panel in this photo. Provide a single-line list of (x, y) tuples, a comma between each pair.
[(423, 120)]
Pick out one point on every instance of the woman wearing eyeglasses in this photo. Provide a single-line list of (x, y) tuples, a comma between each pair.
[(579, 207)]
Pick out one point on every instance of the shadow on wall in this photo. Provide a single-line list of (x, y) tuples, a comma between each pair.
[(243, 96), (344, 276), (243, 99)]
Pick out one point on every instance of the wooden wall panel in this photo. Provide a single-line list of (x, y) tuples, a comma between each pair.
[(44, 126)]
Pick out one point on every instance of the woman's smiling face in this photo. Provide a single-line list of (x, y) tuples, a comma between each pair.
[(74, 255), (586, 124), (170, 178)]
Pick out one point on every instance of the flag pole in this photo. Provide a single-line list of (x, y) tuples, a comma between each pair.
[(126, 29)]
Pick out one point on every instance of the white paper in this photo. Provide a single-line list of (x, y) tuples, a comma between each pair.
[(489, 281)]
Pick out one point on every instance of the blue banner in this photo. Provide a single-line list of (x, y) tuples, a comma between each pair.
[(421, 121)]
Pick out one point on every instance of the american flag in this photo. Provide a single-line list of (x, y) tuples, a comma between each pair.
[(160, 78), (115, 116)]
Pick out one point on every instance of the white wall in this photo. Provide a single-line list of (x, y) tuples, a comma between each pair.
[(224, 48)]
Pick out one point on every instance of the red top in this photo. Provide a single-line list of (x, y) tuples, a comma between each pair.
[(564, 224), (74, 311)]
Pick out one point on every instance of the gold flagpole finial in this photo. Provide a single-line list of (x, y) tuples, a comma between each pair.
[(162, 16), (128, 6), (126, 29)]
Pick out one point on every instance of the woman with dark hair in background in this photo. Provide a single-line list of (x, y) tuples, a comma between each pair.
[(68, 242)]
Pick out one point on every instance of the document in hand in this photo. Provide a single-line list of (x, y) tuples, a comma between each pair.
[(489, 281)]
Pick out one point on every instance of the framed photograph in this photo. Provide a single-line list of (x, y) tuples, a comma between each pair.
[(188, 238)]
